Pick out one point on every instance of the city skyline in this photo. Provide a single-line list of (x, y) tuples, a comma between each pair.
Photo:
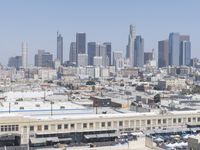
[(39, 27)]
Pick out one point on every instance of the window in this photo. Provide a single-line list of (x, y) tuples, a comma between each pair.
[(179, 120), (9, 128), (46, 127), (189, 119), (103, 124), (109, 124), (164, 121), (65, 126), (174, 120), (159, 121), (120, 123), (39, 128), (91, 125), (194, 119), (2, 128), (198, 119), (72, 126), (59, 126), (31, 128), (84, 125), (148, 121), (17, 128)]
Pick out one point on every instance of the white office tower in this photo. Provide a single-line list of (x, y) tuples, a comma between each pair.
[(131, 45), (98, 61), (82, 60), (24, 55)]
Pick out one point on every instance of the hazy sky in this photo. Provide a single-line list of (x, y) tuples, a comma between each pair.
[(37, 22)]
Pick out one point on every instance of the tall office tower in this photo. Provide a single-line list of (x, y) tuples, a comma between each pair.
[(82, 60), (108, 51), (116, 57), (131, 45), (163, 53), (92, 51), (24, 55), (60, 47), (185, 53), (98, 61), (139, 52), (174, 49), (15, 62), (72, 53), (102, 52), (81, 43), (148, 56), (43, 59)]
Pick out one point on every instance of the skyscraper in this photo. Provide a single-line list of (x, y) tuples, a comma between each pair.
[(43, 59), (174, 49), (102, 52), (15, 62), (108, 52), (163, 53), (92, 51), (131, 45), (185, 53), (116, 56), (81, 43), (60, 47), (147, 57), (72, 53), (24, 55), (139, 52)]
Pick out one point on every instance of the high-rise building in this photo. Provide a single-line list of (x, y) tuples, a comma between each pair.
[(92, 51), (185, 53), (131, 45), (179, 49), (139, 52), (15, 62), (147, 57), (98, 61), (60, 47), (72, 53), (116, 56), (82, 60), (81, 43), (43, 59), (174, 49), (24, 55), (108, 52), (103, 54), (163, 53)]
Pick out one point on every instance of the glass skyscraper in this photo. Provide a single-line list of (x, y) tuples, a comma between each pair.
[(174, 49), (139, 52), (60, 47)]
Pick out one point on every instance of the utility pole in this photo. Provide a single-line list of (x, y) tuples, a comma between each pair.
[(9, 107), (51, 108)]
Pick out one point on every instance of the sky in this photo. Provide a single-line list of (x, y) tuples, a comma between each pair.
[(37, 23)]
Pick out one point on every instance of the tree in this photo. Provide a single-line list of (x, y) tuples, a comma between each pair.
[(90, 82), (157, 98)]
